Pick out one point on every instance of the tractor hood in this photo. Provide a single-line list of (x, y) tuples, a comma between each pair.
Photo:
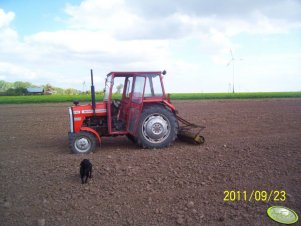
[(87, 110), (78, 113)]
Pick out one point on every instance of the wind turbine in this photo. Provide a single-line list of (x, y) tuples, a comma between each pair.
[(232, 60), (84, 86)]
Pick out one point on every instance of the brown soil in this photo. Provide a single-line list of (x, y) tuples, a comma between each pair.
[(250, 145)]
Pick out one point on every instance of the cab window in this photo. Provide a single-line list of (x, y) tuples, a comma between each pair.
[(153, 86)]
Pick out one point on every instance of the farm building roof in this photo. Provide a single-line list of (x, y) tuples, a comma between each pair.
[(35, 90)]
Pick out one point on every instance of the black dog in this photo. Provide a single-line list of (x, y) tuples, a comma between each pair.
[(85, 170)]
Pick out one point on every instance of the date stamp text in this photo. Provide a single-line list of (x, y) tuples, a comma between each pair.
[(255, 195)]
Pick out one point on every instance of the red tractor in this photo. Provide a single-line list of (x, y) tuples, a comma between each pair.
[(140, 111)]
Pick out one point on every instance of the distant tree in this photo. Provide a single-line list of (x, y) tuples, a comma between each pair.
[(16, 92), (21, 91), (20, 84), (119, 88), (48, 88), (58, 90), (5, 85), (71, 91), (99, 92), (2, 86), (19, 88), (10, 92), (68, 91)]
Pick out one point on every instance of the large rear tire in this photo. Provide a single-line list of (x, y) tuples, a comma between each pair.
[(82, 143), (157, 128)]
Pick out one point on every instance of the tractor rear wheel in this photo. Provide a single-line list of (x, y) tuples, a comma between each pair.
[(82, 143), (157, 128)]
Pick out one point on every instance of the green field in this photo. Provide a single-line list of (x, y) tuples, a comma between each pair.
[(174, 96), (197, 96)]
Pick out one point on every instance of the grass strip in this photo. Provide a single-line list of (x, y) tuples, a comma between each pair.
[(174, 96)]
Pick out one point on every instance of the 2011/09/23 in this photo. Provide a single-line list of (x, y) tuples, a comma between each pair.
[(255, 195)]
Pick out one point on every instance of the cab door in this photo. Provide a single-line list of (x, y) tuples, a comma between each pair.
[(136, 104)]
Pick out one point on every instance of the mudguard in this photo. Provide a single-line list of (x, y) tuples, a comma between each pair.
[(88, 129)]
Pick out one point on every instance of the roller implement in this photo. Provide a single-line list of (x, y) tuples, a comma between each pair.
[(187, 132), (134, 105)]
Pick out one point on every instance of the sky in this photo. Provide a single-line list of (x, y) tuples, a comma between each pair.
[(59, 41)]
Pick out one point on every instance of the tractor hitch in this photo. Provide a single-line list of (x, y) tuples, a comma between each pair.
[(190, 132)]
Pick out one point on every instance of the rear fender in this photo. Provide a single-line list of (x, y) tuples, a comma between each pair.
[(88, 129), (169, 105)]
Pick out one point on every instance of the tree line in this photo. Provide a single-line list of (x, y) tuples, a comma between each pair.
[(19, 88)]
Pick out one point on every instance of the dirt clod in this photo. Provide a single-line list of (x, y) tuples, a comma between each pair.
[(221, 219), (180, 220), (6, 204), (190, 204), (41, 222)]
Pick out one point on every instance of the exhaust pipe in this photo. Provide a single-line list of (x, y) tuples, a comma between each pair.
[(93, 93)]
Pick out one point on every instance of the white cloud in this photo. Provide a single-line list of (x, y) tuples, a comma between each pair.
[(19, 72), (8, 36), (289, 10), (101, 15), (5, 18), (85, 45), (124, 19)]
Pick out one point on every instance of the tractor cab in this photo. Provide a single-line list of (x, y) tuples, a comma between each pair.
[(125, 94)]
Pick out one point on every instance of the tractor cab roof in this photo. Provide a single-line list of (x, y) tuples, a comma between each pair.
[(134, 73)]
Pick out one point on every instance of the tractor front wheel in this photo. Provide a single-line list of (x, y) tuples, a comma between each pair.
[(157, 128), (82, 143)]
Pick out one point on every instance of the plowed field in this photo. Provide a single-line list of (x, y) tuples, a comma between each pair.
[(251, 145)]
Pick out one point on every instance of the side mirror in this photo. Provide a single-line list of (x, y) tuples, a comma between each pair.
[(164, 72), (76, 102)]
